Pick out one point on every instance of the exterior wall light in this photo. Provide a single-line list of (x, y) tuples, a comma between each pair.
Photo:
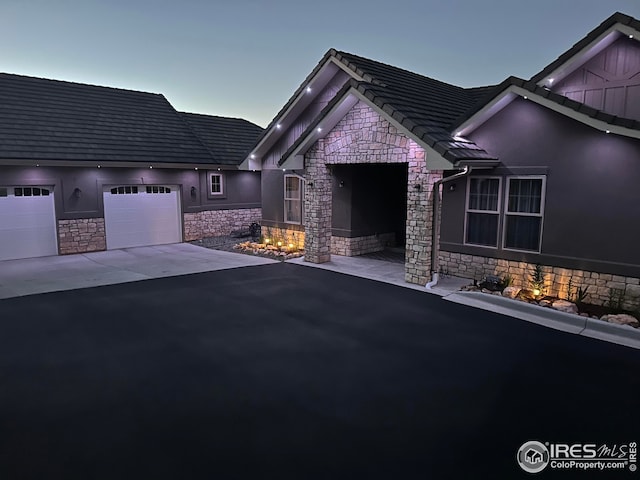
[(77, 193), (194, 191)]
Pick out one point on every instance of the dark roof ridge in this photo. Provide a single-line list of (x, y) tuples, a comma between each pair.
[(223, 117), (82, 84), (339, 54)]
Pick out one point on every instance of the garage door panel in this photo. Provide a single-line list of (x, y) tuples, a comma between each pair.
[(27, 226), (140, 218)]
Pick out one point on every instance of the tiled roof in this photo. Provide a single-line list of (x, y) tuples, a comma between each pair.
[(424, 106), (228, 139), (55, 120), (616, 18)]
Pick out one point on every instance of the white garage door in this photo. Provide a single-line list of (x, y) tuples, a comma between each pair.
[(141, 215), (27, 222)]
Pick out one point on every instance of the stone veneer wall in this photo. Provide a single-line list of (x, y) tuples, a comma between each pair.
[(363, 136), (352, 246), (556, 278), (216, 223), (284, 235), (81, 235)]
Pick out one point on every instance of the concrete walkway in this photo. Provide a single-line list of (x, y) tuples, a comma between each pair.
[(382, 271), (68, 272)]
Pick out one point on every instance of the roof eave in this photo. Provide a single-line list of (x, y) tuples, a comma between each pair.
[(565, 106)]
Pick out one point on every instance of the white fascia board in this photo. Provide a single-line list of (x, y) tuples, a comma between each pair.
[(434, 160), (325, 125), (485, 113), (598, 45), (509, 94), (343, 67), (316, 83)]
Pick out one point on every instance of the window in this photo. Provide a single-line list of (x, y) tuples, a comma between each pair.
[(125, 190), (293, 199), (157, 189), (523, 213), (216, 186), (483, 213)]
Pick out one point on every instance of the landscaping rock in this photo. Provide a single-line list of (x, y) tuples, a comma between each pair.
[(511, 292), (544, 303), (564, 306), (621, 319)]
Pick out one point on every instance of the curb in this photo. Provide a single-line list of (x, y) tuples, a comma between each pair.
[(566, 322)]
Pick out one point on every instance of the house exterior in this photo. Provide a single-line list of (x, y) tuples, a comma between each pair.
[(86, 168), (471, 181)]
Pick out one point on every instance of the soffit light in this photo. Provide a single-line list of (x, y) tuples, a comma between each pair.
[(278, 126), (308, 89)]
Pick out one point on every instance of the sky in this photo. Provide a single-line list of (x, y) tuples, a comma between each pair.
[(245, 58)]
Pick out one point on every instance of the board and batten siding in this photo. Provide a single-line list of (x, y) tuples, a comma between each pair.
[(300, 124), (610, 81)]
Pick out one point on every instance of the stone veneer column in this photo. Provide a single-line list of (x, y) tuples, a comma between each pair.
[(419, 219), (317, 202), (363, 137)]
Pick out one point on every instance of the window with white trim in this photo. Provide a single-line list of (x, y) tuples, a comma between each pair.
[(216, 184), (523, 213), (293, 199), (483, 211)]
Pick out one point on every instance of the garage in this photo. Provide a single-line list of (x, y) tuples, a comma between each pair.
[(139, 215), (27, 222)]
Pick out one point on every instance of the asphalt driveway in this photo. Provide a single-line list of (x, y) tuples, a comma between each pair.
[(281, 371)]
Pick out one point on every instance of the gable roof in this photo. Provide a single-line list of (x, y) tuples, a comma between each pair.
[(59, 121), (514, 86), (456, 151), (537, 88), (617, 22), (437, 114), (228, 139), (423, 106)]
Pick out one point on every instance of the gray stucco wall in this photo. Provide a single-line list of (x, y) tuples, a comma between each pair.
[(592, 197), (242, 189)]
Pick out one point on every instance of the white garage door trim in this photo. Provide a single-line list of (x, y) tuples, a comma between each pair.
[(141, 215), (27, 222)]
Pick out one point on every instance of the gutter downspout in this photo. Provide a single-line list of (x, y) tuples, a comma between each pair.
[(435, 230)]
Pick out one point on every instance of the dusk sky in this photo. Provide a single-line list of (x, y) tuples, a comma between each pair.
[(244, 58)]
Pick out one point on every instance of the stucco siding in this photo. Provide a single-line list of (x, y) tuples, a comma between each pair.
[(592, 197)]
